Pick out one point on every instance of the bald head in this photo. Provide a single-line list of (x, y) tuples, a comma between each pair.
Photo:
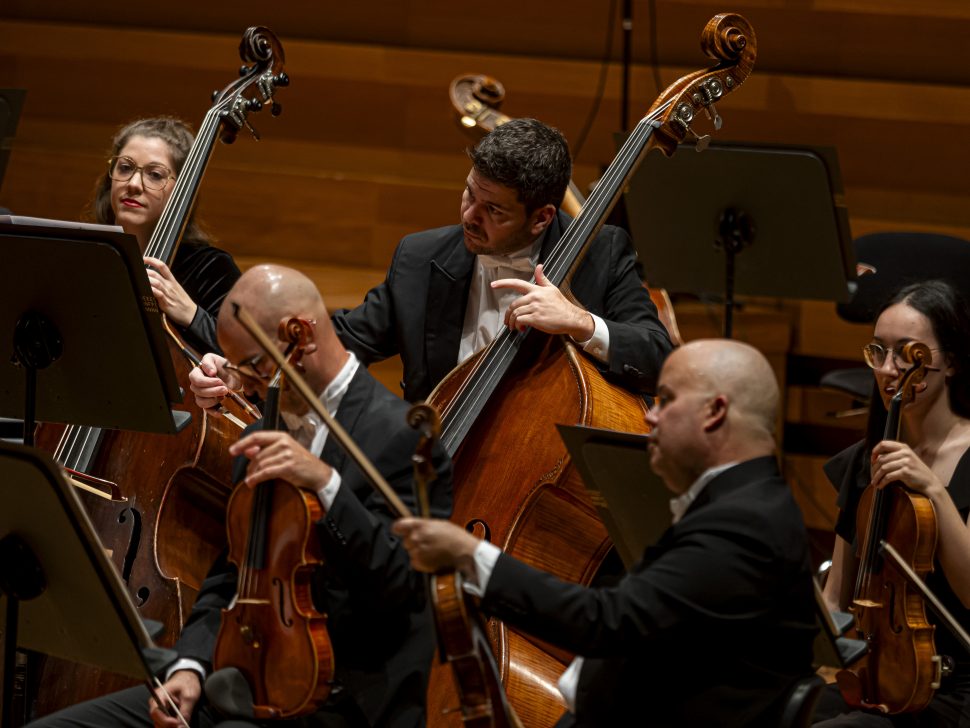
[(716, 404), (739, 372), (272, 294)]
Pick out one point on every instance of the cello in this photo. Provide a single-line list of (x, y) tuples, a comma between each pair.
[(476, 98), (514, 481), (273, 621), (158, 502), (901, 670)]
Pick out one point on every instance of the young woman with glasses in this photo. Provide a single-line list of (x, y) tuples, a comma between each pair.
[(931, 457), (146, 158)]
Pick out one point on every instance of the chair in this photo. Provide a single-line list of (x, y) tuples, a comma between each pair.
[(800, 703), (896, 259)]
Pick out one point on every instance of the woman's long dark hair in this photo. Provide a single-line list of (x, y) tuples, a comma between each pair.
[(179, 138), (949, 316)]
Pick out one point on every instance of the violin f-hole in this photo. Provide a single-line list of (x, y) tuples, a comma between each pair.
[(282, 601)]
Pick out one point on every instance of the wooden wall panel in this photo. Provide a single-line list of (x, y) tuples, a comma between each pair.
[(367, 149)]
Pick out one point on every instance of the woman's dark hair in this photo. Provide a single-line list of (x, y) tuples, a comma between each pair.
[(179, 138), (949, 315)]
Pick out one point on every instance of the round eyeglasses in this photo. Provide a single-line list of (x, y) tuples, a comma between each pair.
[(154, 176), (875, 356)]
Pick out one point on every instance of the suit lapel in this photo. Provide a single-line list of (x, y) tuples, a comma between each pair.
[(351, 407), (448, 283)]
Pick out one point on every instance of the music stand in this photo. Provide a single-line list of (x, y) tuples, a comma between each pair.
[(63, 597), (743, 219), (631, 499), (84, 342), (11, 104)]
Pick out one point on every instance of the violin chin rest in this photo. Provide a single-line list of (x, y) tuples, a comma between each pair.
[(228, 691)]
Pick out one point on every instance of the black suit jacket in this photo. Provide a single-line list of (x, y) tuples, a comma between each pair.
[(709, 629), (419, 309), (379, 624)]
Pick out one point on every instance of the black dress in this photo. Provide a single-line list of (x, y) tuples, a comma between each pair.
[(849, 473), (206, 273)]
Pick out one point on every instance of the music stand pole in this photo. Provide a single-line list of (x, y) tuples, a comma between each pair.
[(627, 25), (37, 344), (21, 578), (736, 233)]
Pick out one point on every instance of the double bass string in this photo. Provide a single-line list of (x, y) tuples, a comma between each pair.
[(480, 385)]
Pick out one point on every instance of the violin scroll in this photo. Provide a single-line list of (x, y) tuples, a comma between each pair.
[(918, 354)]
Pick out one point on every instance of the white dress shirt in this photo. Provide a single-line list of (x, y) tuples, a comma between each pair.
[(485, 312)]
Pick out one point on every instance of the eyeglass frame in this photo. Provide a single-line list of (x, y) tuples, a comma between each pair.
[(895, 351), (247, 368), (138, 169)]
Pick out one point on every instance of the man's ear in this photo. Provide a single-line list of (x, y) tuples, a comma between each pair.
[(541, 218), (716, 415)]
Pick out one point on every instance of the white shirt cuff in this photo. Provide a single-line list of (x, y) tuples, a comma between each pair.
[(185, 663), (486, 555), (329, 491), (598, 345)]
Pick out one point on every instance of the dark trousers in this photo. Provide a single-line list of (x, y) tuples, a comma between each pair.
[(129, 709), (946, 710)]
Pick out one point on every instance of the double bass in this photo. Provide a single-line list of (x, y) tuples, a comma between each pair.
[(515, 484), (158, 502), (901, 671)]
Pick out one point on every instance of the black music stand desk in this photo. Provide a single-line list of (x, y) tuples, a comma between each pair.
[(739, 218), (632, 501), (78, 314), (68, 599)]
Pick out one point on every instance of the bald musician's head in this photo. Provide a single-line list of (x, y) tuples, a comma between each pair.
[(273, 294), (717, 401)]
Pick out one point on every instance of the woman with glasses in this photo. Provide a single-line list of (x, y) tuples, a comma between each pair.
[(146, 158), (931, 457)]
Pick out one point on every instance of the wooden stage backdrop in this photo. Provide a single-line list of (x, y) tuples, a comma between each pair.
[(367, 148)]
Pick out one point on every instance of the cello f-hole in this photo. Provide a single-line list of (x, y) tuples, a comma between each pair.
[(142, 595), (134, 538)]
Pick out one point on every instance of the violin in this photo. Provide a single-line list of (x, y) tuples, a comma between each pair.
[(158, 501), (273, 620), (515, 484), (902, 670), (462, 640)]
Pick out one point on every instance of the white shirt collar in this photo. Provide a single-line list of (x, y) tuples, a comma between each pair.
[(331, 397), (680, 504)]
